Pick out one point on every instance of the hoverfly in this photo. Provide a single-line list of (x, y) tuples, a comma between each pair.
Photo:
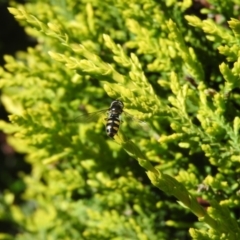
[(113, 118)]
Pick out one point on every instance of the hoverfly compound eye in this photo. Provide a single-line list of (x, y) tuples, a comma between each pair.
[(121, 104)]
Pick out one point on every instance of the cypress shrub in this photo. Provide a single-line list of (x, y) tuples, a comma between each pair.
[(173, 170)]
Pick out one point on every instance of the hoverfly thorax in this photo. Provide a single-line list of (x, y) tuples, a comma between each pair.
[(116, 107)]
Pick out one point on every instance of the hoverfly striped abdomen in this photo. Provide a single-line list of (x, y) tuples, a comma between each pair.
[(112, 126)]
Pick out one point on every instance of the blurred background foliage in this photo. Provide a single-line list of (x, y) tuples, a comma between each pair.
[(174, 64)]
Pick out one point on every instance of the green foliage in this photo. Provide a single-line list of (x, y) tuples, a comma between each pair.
[(148, 54)]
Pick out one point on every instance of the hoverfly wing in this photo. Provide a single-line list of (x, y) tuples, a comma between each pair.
[(131, 118), (136, 124), (91, 117)]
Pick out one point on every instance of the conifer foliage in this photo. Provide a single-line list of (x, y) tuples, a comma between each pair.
[(173, 170)]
